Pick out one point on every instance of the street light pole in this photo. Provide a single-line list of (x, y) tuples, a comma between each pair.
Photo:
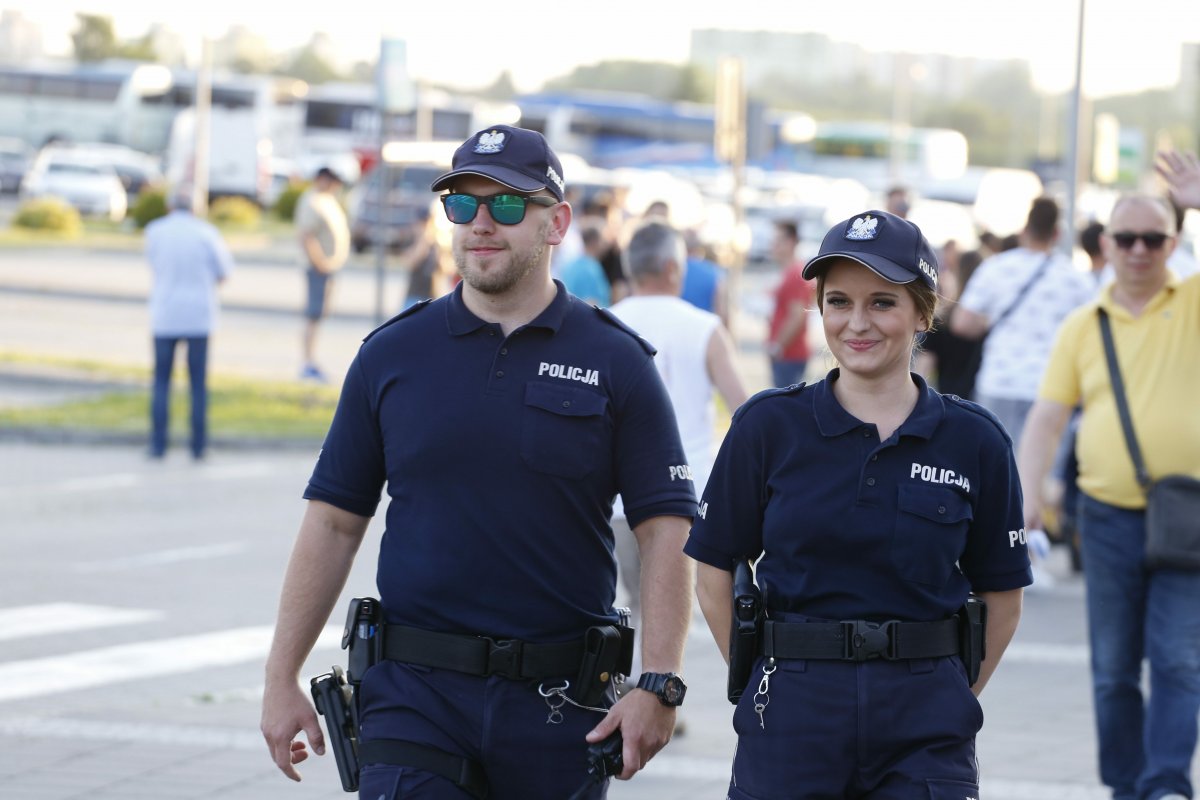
[(1067, 242)]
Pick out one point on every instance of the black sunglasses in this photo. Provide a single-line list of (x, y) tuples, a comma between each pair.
[(1152, 239), (506, 209)]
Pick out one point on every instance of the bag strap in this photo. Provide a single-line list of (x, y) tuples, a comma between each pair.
[(1024, 290), (1118, 385)]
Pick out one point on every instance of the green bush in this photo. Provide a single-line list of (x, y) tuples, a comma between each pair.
[(234, 212), (285, 206), (151, 203), (49, 215)]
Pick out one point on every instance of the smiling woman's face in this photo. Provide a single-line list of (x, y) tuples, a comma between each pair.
[(869, 322)]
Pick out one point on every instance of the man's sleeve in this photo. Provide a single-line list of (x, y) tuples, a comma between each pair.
[(350, 470), (979, 294), (653, 475), (1061, 380)]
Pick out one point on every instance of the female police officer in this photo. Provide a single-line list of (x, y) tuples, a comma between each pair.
[(877, 507)]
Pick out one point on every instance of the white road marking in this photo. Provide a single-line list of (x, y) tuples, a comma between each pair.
[(161, 557), (97, 483), (48, 618), (121, 663), (1074, 655)]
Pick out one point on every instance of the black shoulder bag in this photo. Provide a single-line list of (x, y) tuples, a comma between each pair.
[(1172, 502)]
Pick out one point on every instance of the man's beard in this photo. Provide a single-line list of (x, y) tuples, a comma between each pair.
[(502, 280)]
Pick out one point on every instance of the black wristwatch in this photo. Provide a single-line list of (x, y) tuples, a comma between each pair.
[(668, 687)]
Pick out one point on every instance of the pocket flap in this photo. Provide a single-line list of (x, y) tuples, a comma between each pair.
[(566, 401), (934, 503)]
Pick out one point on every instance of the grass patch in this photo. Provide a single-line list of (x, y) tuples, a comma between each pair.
[(103, 234), (237, 407)]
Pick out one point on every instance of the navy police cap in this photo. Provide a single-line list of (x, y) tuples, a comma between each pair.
[(891, 247), (519, 158)]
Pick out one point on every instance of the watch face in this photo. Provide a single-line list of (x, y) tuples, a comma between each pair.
[(673, 690)]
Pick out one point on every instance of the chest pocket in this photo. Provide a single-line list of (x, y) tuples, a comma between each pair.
[(563, 429), (931, 533)]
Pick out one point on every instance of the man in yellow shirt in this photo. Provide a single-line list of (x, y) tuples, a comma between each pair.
[(1145, 748)]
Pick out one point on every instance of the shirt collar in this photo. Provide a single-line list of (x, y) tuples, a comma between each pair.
[(462, 321), (1114, 308), (833, 420)]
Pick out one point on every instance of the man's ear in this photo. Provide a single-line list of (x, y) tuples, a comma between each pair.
[(560, 221)]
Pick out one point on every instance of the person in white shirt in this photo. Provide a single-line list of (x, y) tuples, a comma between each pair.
[(188, 260), (695, 356), (324, 236), (1018, 299)]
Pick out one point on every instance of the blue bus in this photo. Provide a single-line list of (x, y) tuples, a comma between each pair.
[(611, 129)]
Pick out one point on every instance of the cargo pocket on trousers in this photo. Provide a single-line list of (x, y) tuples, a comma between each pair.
[(952, 790), (563, 430), (379, 782)]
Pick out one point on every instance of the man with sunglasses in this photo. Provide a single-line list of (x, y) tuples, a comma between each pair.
[(503, 418), (1145, 747)]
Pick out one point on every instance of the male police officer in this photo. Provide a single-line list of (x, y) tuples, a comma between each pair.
[(503, 418)]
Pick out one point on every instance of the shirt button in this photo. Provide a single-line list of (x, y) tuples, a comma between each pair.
[(499, 373), (566, 403), (875, 457), (870, 481), (503, 351), (866, 433), (941, 509)]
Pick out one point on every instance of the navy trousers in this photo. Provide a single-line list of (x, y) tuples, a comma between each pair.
[(834, 730), (500, 723)]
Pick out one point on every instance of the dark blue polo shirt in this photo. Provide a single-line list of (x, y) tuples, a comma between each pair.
[(502, 456), (853, 528)]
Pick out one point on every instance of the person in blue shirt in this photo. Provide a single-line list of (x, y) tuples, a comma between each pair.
[(503, 419), (874, 507), (704, 281), (583, 276)]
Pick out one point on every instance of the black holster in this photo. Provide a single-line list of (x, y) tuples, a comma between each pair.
[(334, 699), (972, 636), (607, 659), (744, 629), (362, 637)]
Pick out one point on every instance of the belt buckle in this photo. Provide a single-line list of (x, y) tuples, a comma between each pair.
[(868, 640), (503, 657)]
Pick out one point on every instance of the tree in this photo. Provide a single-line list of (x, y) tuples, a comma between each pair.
[(138, 49), (308, 65), (94, 39), (654, 79), (502, 88)]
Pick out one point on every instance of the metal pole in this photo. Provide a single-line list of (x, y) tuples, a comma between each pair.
[(202, 130), (1067, 243), (384, 169)]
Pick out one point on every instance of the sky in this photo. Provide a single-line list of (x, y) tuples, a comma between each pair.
[(1128, 46)]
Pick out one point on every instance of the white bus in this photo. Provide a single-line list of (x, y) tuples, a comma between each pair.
[(340, 118), (92, 103), (867, 152)]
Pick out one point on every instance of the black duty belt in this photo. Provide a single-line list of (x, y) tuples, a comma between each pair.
[(859, 640), (482, 655)]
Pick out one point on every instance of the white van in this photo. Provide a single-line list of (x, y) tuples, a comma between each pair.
[(239, 153)]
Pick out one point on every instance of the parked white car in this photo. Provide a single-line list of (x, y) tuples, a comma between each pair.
[(92, 187), (15, 156)]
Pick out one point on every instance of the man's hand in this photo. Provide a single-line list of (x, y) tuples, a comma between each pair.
[(1181, 171), (286, 712), (646, 726)]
